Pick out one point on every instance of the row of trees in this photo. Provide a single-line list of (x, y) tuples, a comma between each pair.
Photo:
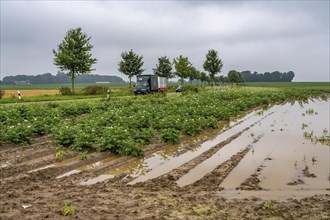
[(73, 56), (275, 76), (132, 65), (59, 78)]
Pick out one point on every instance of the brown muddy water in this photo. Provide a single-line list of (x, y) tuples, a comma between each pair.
[(287, 151)]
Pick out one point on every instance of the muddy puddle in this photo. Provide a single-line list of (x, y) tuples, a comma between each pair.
[(75, 161), (57, 164), (87, 167), (286, 162)]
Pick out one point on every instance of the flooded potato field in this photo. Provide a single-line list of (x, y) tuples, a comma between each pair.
[(275, 161), (279, 154)]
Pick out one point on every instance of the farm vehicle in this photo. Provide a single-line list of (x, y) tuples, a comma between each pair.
[(149, 84)]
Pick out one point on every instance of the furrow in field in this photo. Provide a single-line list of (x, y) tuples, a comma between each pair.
[(243, 143), (6, 149), (30, 165), (212, 180), (19, 155), (157, 154), (156, 165), (171, 163)]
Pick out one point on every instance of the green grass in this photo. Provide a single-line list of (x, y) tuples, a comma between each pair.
[(123, 89), (43, 98), (58, 86), (289, 84)]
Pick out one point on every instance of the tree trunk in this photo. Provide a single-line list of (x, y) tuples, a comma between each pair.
[(72, 83), (181, 81), (130, 82)]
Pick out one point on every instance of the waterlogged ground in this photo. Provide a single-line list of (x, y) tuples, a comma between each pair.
[(271, 163)]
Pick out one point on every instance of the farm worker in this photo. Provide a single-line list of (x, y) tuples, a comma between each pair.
[(19, 94)]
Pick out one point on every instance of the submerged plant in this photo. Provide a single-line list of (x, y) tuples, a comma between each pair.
[(310, 111), (304, 126), (314, 160), (325, 131), (304, 159), (324, 139)]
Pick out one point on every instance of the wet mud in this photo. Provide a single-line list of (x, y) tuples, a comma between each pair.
[(269, 164)]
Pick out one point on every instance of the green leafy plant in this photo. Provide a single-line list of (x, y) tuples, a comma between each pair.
[(144, 136), (64, 135), (123, 126), (170, 135), (83, 139), (119, 140), (83, 155), (67, 209), (267, 206), (19, 133), (59, 153)]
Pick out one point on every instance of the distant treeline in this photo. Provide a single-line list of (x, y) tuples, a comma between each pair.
[(275, 76), (59, 78)]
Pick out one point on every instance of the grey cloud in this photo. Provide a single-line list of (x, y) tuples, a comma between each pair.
[(263, 36)]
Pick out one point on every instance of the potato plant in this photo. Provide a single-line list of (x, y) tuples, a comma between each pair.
[(125, 126)]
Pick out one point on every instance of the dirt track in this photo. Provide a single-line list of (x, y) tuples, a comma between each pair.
[(35, 185)]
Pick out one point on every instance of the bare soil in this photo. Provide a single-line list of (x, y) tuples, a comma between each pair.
[(40, 195)]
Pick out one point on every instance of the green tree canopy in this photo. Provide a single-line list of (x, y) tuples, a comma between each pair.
[(164, 68), (73, 54), (212, 63), (195, 74), (182, 67), (235, 77), (204, 77), (131, 65)]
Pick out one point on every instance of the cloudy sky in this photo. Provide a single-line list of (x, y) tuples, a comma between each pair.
[(249, 35)]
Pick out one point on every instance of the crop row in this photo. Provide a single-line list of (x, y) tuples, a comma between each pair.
[(125, 126)]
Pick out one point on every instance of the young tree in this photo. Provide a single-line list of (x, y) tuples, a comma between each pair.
[(73, 54), (131, 65), (182, 67), (164, 68), (235, 77), (212, 64), (203, 77), (198, 75), (195, 74)]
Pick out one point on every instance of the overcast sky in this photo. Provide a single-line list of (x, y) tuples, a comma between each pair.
[(249, 35)]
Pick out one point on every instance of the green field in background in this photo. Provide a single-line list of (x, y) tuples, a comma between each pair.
[(288, 84)]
